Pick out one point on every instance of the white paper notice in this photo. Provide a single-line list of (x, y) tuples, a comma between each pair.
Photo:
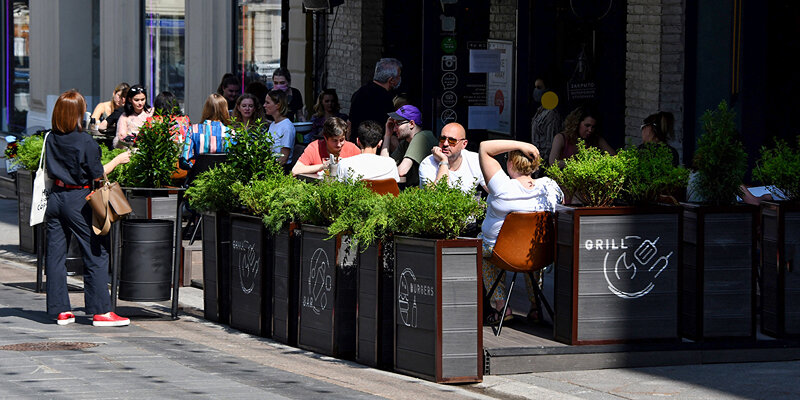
[(483, 117), (484, 61)]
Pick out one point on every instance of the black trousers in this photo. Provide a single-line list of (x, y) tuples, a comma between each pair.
[(69, 213)]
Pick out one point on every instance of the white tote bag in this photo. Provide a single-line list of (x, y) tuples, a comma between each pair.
[(42, 185)]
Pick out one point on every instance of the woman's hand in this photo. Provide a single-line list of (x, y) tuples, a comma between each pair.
[(123, 158), (529, 150)]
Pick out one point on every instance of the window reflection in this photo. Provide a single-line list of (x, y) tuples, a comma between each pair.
[(164, 44), (16, 96), (258, 41)]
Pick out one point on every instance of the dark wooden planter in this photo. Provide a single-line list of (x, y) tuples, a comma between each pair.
[(718, 275), (27, 233), (617, 274), (375, 305), (216, 267), (780, 288), (327, 322), (438, 331), (251, 275), (285, 284)]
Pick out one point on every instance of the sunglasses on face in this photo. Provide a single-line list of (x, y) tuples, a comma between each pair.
[(646, 125), (450, 141)]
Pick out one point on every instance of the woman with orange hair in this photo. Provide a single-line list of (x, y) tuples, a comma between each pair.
[(73, 162)]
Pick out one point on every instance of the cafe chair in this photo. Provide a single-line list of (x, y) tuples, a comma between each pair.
[(526, 243), (383, 186)]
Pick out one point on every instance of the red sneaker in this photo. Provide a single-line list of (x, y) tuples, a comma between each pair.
[(110, 319), (65, 318)]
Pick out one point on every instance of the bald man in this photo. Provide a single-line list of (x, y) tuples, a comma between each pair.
[(452, 161)]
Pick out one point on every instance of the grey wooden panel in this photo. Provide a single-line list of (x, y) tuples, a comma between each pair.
[(419, 363), (164, 207), (459, 263), (317, 291), (792, 275), (460, 342), (453, 366), (462, 316), (460, 291), (210, 293), (247, 269), (284, 288)]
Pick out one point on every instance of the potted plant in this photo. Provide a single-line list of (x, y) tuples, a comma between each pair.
[(27, 159), (438, 327), (616, 265), (779, 168), (718, 274)]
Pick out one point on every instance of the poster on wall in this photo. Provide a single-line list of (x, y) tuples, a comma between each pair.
[(500, 86)]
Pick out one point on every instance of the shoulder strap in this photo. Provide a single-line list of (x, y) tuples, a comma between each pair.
[(42, 161)]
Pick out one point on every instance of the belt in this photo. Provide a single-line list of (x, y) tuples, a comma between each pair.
[(60, 183)]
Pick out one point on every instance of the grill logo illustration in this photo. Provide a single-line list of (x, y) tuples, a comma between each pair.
[(407, 306), (248, 264), (319, 282), (631, 276)]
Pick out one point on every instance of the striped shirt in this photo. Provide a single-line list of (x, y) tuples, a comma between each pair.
[(208, 137)]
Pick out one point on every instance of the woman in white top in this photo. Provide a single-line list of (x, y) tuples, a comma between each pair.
[(137, 111), (282, 130), (517, 191)]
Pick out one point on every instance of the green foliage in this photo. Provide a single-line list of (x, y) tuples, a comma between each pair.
[(436, 211), (156, 156), (330, 199), (29, 151), (779, 167), (720, 158), (366, 220), (250, 153), (278, 199), (649, 173), (106, 156), (593, 175), (213, 190)]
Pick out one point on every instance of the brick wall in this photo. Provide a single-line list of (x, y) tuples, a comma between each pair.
[(654, 67), (503, 19)]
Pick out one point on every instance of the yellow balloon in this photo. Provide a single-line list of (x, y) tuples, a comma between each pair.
[(549, 100)]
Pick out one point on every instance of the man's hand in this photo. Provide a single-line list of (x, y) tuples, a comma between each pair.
[(437, 154)]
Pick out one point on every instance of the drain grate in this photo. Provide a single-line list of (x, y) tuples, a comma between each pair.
[(48, 346)]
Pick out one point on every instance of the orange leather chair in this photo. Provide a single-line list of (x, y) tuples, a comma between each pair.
[(384, 186), (526, 243)]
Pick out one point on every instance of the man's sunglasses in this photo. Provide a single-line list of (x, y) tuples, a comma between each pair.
[(450, 141)]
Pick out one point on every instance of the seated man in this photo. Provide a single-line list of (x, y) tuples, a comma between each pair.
[(368, 164), (415, 143), (334, 142), (451, 160)]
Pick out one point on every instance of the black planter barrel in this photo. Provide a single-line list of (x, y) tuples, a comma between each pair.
[(285, 284), (216, 267), (251, 275), (146, 263), (327, 295), (375, 305)]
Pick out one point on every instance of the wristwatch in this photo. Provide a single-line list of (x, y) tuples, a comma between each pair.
[(445, 163)]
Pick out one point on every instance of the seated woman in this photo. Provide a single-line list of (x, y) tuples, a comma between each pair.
[(580, 123), (327, 106), (248, 110), (281, 130), (517, 191), (167, 104), (136, 112), (211, 135), (107, 113), (334, 142), (658, 129)]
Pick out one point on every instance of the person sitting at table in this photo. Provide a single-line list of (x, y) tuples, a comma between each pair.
[(167, 104), (657, 130), (517, 191), (248, 110), (107, 113), (334, 143), (452, 161), (281, 130), (580, 123), (327, 106), (211, 135), (368, 164), (415, 143), (136, 112)]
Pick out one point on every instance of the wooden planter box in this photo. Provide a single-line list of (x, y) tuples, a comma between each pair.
[(617, 274), (285, 284), (251, 275), (27, 233), (375, 315), (438, 331), (216, 267), (780, 249), (327, 322), (718, 275)]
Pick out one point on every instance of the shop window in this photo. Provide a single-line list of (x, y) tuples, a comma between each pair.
[(16, 66), (164, 47), (258, 41)]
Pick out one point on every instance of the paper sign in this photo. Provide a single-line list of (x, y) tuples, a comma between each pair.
[(484, 61), (483, 117)]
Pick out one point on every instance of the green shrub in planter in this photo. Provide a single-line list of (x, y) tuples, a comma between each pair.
[(250, 153), (106, 156), (155, 158), (594, 176), (436, 211), (779, 168), (213, 190), (330, 199), (29, 151), (649, 173), (720, 158), (279, 200), (366, 220)]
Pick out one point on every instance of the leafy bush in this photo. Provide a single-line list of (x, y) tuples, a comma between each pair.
[(213, 190), (436, 211), (250, 153), (649, 173), (366, 220), (29, 151), (279, 200), (330, 199), (596, 177), (720, 158), (155, 158), (106, 156), (779, 168)]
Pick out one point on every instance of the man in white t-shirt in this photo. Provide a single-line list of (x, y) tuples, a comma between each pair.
[(451, 160), (368, 164)]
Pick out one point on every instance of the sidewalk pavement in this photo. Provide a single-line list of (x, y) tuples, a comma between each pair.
[(191, 357)]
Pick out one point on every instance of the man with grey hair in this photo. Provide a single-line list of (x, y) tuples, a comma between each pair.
[(372, 101)]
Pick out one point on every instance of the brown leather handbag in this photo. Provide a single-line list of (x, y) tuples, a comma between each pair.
[(108, 205)]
